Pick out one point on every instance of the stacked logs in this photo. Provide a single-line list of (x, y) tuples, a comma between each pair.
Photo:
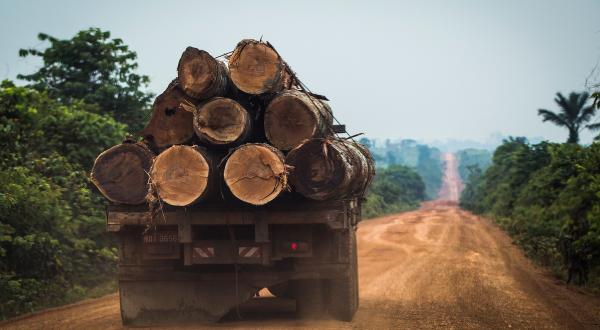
[(242, 127)]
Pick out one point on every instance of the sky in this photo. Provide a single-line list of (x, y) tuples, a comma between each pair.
[(426, 70)]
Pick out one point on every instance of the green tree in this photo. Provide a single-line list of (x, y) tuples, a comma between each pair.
[(573, 114), (53, 248), (467, 158), (596, 126), (547, 197), (96, 69), (32, 125), (395, 189)]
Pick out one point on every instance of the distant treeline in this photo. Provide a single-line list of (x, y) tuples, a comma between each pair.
[(425, 160), (469, 158), (396, 188), (547, 197)]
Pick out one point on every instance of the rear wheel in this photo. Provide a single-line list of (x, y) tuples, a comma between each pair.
[(343, 298), (310, 302)]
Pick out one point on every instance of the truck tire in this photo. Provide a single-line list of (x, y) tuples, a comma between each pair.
[(281, 290), (310, 302), (343, 297)]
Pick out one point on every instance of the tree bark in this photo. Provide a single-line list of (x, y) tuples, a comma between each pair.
[(172, 120), (201, 76), (222, 122), (294, 116), (255, 173), (255, 67), (121, 173), (325, 169), (182, 175)]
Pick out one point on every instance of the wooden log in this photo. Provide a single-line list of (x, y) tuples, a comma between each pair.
[(201, 76), (121, 173), (172, 120), (325, 169), (222, 122), (256, 68), (294, 116), (183, 175), (255, 173)]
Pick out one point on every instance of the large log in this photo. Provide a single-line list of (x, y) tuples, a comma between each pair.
[(201, 76), (294, 116), (171, 121), (121, 173), (255, 173), (182, 175), (256, 68), (222, 122), (325, 169)]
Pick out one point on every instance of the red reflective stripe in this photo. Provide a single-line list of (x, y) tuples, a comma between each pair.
[(209, 251), (204, 252), (249, 251), (256, 253)]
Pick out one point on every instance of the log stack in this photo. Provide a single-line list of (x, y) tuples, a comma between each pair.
[(241, 127)]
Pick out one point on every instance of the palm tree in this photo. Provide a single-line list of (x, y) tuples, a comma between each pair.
[(596, 126), (573, 114)]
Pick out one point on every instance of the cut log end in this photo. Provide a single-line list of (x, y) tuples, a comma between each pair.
[(200, 75), (222, 121), (171, 122), (294, 116), (288, 122), (328, 168), (256, 68), (180, 175), (121, 173), (255, 173)]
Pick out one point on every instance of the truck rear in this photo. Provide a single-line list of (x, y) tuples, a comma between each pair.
[(198, 263)]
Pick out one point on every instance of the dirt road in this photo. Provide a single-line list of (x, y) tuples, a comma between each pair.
[(435, 267)]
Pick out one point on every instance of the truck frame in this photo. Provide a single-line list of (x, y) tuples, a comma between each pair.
[(198, 263)]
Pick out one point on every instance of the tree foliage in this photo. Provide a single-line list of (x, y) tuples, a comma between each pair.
[(425, 160), (52, 243), (395, 189), (470, 158), (93, 68), (574, 113), (547, 196)]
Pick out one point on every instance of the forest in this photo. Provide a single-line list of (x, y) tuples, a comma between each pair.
[(407, 174), (396, 188), (547, 195), (468, 159), (423, 159), (85, 97)]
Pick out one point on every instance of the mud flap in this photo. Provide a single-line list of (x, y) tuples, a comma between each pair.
[(146, 303)]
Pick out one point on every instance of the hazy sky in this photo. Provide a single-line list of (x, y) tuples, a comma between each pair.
[(398, 69)]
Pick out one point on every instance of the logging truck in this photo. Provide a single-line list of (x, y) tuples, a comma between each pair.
[(200, 262), (240, 182)]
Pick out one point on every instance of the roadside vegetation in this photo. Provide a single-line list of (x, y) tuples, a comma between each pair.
[(547, 195), (396, 188), (85, 97), (425, 160), (469, 159), (407, 174)]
